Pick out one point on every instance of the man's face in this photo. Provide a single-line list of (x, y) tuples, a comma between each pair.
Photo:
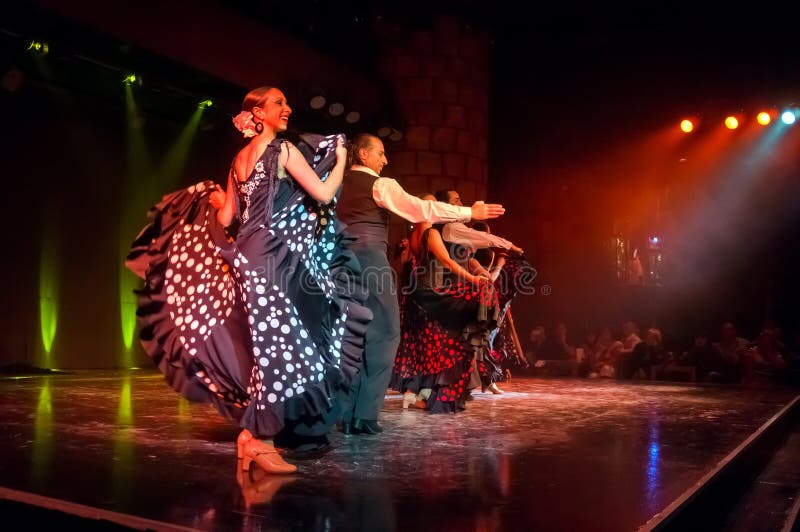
[(374, 156), (454, 198)]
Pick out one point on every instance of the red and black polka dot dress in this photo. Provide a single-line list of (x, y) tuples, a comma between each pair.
[(446, 325)]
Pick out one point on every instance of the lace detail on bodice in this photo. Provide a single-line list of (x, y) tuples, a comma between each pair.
[(246, 189)]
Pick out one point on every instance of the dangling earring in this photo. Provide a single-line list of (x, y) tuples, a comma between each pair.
[(259, 127)]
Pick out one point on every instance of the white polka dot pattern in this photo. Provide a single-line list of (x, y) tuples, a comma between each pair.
[(202, 288), (280, 340), (198, 283), (283, 348)]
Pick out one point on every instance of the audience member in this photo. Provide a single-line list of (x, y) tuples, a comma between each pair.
[(603, 354), (534, 344), (732, 349), (556, 347), (705, 357), (644, 356)]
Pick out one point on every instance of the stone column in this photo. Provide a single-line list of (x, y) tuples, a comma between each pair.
[(441, 82)]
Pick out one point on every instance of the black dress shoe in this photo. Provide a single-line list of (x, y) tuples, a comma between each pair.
[(366, 426)]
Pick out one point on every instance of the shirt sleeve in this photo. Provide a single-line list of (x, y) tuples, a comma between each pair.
[(458, 233), (388, 194)]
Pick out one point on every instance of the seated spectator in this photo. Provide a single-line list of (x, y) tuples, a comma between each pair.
[(556, 357), (776, 332), (765, 355), (587, 350), (732, 349), (534, 344), (704, 356), (630, 337), (611, 361), (556, 347), (605, 355), (645, 355)]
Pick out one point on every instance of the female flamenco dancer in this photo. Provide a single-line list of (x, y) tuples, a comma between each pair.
[(447, 318), (250, 298), (511, 274)]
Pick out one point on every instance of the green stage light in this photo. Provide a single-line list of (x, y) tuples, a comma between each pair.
[(127, 309), (38, 47), (171, 168), (140, 189), (132, 79), (205, 104), (48, 294)]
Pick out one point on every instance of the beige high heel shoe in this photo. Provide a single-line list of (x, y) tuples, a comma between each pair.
[(494, 389), (265, 456), (244, 437)]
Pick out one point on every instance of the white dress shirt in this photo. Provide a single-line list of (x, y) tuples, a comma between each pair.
[(389, 195), (460, 234)]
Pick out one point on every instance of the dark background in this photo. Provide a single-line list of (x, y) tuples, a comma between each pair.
[(577, 92)]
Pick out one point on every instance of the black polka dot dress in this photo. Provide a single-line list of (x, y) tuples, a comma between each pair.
[(266, 324)]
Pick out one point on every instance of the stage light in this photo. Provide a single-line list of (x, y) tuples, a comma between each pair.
[(317, 102), (763, 118), (396, 135), (38, 47), (352, 117), (788, 117), (687, 126), (49, 268), (654, 240), (336, 109), (384, 131), (205, 104), (731, 122), (132, 79)]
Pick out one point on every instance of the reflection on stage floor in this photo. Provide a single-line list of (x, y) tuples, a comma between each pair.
[(549, 454)]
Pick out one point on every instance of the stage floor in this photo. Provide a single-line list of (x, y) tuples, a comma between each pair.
[(549, 454)]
